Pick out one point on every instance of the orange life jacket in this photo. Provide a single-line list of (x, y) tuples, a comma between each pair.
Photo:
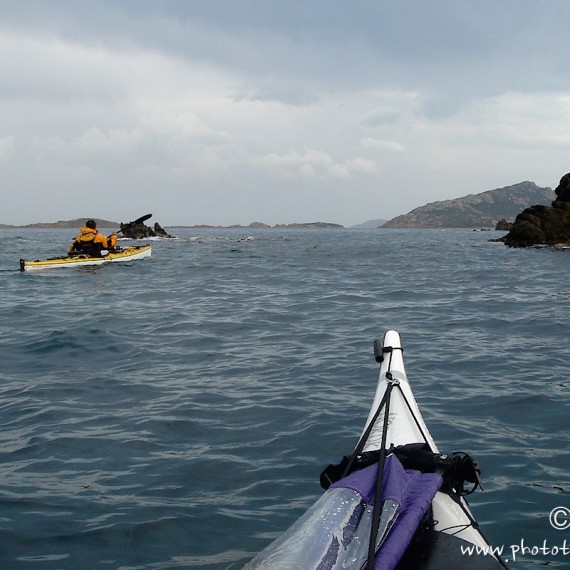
[(92, 239)]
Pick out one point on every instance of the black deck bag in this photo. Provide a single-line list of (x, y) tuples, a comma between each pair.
[(458, 469)]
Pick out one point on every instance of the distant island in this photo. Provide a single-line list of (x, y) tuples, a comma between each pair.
[(111, 225), (369, 225), (262, 226), (77, 223), (476, 210)]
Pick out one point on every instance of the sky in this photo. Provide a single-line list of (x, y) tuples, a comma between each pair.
[(237, 111)]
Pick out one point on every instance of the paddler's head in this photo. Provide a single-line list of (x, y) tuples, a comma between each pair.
[(91, 224)]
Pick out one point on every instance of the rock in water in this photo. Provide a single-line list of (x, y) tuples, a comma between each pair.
[(160, 232), (140, 231), (544, 225), (503, 225)]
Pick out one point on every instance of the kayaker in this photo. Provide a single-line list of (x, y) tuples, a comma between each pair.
[(92, 242)]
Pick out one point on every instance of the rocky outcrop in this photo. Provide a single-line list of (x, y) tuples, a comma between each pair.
[(140, 231), (544, 225), (161, 232), (503, 225)]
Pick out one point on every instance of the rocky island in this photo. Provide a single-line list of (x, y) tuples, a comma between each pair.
[(482, 210), (76, 224)]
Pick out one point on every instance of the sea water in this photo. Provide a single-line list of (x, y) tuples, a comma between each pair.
[(175, 412)]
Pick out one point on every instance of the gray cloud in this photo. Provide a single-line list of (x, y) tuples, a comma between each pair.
[(221, 111)]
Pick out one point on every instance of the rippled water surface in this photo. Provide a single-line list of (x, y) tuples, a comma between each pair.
[(176, 412)]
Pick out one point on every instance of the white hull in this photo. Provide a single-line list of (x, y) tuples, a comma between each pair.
[(406, 425)]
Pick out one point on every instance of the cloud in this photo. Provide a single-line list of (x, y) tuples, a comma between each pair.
[(379, 104), (370, 142), (7, 148), (381, 117), (315, 164), (512, 121)]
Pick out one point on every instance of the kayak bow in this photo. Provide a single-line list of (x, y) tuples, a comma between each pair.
[(416, 518)]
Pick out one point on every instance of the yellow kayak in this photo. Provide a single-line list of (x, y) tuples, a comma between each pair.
[(129, 253)]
